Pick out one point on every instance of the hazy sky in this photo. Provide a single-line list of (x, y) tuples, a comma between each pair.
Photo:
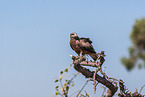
[(34, 42)]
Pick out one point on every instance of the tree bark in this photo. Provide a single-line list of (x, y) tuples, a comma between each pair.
[(89, 74)]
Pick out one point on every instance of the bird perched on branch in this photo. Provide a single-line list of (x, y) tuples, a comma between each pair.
[(82, 46)]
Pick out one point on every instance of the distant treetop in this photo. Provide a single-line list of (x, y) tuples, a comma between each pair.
[(137, 50)]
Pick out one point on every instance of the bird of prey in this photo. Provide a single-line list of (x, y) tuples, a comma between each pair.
[(82, 46)]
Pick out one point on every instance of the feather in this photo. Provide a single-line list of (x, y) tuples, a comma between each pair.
[(82, 45)]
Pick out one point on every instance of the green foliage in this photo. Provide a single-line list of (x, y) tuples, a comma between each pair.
[(137, 50), (63, 88), (128, 63), (56, 80), (64, 84), (138, 34)]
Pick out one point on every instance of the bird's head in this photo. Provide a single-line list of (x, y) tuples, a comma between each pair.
[(73, 35)]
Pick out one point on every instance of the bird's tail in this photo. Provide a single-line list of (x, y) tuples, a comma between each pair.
[(94, 56)]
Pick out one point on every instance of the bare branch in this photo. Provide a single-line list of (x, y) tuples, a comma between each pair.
[(141, 88), (82, 88), (89, 74)]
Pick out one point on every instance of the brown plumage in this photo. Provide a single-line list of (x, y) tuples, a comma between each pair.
[(74, 39), (82, 45)]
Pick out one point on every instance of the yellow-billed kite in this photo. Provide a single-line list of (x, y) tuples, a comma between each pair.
[(82, 46)]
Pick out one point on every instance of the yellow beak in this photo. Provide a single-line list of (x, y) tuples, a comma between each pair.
[(75, 34)]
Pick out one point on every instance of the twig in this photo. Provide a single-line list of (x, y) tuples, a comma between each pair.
[(103, 91), (105, 75), (83, 87), (89, 63), (116, 79), (65, 94), (141, 88), (94, 76), (73, 93)]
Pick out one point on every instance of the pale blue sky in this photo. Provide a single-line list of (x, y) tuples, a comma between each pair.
[(34, 40)]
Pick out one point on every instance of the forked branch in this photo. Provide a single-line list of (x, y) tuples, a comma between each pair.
[(89, 74)]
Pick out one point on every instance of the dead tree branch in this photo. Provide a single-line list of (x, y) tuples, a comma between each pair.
[(124, 93), (79, 62), (89, 74)]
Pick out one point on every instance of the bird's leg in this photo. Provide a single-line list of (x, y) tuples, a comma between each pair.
[(81, 54)]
